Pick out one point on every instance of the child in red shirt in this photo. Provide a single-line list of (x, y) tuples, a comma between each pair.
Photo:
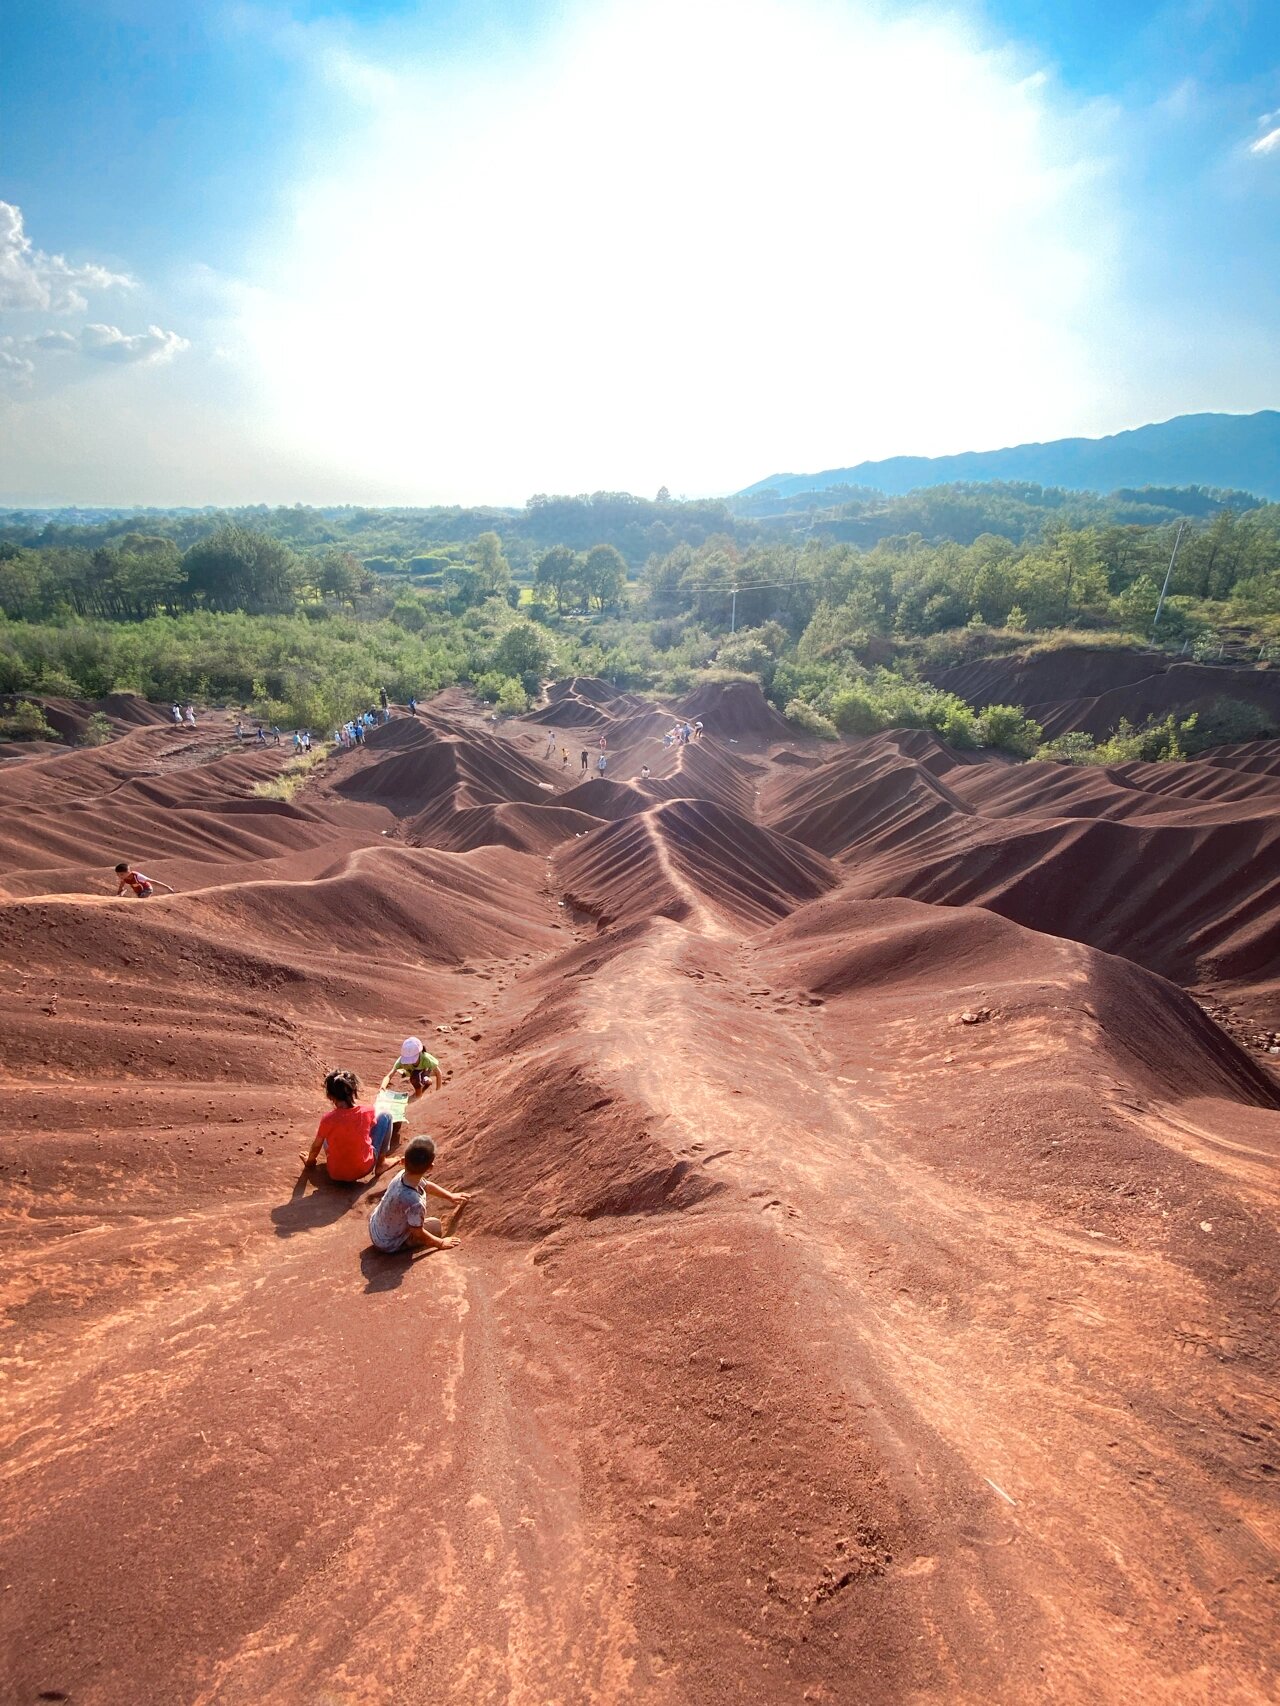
[(142, 886), (354, 1138)]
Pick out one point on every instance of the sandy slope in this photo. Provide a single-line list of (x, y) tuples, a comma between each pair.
[(867, 1294)]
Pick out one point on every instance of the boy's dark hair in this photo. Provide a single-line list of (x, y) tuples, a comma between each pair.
[(342, 1087), (122, 867), (419, 1154)]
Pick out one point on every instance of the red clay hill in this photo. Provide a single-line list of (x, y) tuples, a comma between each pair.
[(868, 1292)]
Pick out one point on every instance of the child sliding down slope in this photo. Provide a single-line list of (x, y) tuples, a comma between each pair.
[(400, 1220), (354, 1139)]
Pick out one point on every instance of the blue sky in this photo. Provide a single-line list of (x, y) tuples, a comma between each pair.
[(407, 252)]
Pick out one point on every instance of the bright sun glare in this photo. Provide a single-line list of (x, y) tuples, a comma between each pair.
[(685, 235)]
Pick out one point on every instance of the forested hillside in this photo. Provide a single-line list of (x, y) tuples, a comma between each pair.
[(303, 614)]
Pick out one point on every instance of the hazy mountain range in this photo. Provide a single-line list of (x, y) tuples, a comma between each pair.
[(1237, 451)]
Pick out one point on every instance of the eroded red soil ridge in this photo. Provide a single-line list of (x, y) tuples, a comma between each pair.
[(870, 1284)]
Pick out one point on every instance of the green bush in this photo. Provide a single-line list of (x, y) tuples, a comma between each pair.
[(750, 653), (1230, 721), (955, 721), (526, 651), (811, 722), (1156, 742), (26, 721), (55, 683), (97, 731), (854, 711), (1010, 729), (512, 698), (1074, 748)]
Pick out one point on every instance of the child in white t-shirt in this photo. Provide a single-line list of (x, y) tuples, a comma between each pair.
[(400, 1220)]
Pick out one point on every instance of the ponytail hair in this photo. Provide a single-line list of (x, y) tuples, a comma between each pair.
[(342, 1088)]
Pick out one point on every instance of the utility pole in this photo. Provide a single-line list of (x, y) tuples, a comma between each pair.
[(733, 614), (1168, 573)]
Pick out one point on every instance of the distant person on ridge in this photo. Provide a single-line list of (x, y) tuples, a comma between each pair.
[(413, 704), (584, 761), (383, 700), (175, 711), (400, 1220), (564, 757), (355, 1139), (189, 716), (551, 745), (602, 764), (143, 887)]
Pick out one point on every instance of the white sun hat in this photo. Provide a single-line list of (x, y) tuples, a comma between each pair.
[(410, 1049)]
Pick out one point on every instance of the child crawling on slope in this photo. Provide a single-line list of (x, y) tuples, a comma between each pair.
[(354, 1139), (420, 1068), (143, 887), (401, 1221)]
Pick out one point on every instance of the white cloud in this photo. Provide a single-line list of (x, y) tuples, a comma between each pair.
[(16, 369), (33, 282), (30, 279), (1268, 144), (109, 343), (688, 242)]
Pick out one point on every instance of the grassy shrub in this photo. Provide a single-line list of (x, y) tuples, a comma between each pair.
[(804, 717), (1229, 721), (854, 711), (26, 721), (1008, 728), (295, 775), (512, 698), (97, 731), (1156, 742), (504, 691), (1074, 748)]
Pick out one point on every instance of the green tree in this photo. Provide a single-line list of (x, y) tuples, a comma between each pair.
[(24, 584), (604, 575), (559, 572), (339, 575), (238, 569), (493, 571), (525, 651), (137, 576)]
